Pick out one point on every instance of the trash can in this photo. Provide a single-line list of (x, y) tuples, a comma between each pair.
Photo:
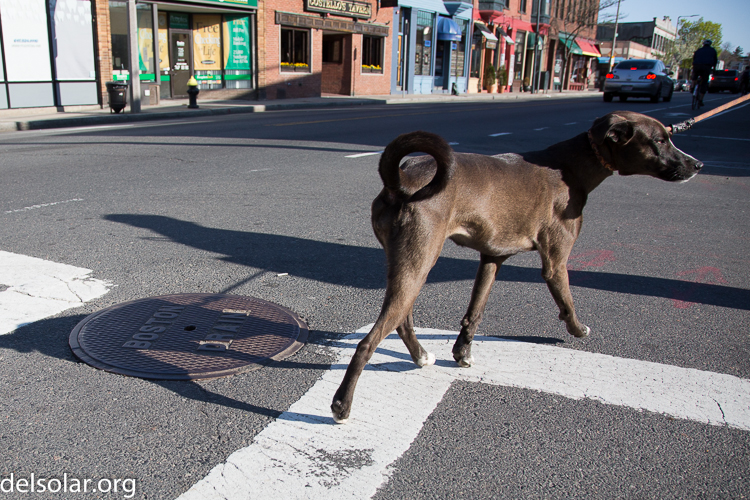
[(118, 95)]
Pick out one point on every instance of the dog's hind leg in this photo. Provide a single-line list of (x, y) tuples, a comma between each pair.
[(488, 269), (404, 282), (555, 273), (418, 353)]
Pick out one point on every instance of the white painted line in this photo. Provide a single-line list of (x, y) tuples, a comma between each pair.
[(259, 170), (571, 123), (542, 128), (42, 205), (452, 144), (37, 289), (501, 133), (360, 155), (303, 454), (734, 108)]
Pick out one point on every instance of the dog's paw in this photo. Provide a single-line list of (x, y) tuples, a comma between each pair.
[(340, 414), (426, 360), (465, 362), (583, 332)]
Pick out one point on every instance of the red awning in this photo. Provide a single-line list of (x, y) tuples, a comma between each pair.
[(520, 24), (588, 48)]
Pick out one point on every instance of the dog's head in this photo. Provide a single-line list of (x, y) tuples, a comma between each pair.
[(633, 143)]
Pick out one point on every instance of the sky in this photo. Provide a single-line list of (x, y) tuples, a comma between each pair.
[(733, 15)]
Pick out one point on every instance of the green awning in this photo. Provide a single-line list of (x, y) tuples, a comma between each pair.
[(571, 44)]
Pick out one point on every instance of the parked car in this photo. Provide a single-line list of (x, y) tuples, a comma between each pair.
[(639, 78), (682, 85), (728, 79)]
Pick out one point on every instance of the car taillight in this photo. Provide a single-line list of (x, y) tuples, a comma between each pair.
[(633, 69), (610, 76), (650, 76), (736, 79)]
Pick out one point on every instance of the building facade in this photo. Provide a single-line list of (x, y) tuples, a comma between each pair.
[(657, 35)]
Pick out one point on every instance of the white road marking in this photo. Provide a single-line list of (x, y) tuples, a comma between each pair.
[(35, 289), (571, 123), (41, 205), (303, 454), (714, 137), (360, 155), (542, 128), (501, 133)]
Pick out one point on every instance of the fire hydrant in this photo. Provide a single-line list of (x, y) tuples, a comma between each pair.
[(192, 91)]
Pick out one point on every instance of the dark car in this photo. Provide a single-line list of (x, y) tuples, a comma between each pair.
[(728, 79), (639, 78)]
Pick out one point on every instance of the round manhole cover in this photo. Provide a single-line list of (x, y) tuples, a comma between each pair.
[(187, 336)]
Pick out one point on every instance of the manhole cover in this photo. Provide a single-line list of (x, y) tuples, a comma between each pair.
[(187, 336)]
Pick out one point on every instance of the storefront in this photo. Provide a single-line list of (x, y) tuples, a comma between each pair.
[(32, 74), (580, 72), (211, 40), (431, 52), (318, 47)]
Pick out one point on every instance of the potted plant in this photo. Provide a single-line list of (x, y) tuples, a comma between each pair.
[(490, 79), (502, 79)]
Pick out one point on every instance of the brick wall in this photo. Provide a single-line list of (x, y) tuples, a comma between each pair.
[(103, 46), (275, 84)]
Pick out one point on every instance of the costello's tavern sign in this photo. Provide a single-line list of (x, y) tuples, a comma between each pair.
[(345, 8)]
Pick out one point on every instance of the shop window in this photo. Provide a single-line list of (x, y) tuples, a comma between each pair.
[(295, 50), (476, 55), (459, 55), (423, 55), (522, 6), (372, 54)]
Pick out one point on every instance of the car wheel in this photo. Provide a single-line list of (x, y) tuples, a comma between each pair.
[(655, 97), (608, 97), (623, 98)]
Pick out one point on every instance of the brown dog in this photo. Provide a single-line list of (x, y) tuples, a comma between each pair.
[(500, 206)]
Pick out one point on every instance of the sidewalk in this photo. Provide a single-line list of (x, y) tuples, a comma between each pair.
[(13, 120)]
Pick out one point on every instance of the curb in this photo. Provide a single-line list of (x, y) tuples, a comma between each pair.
[(223, 109)]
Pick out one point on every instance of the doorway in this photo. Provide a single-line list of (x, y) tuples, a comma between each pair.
[(336, 77), (181, 50)]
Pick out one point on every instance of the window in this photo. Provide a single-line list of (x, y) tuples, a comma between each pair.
[(423, 55), (333, 49), (295, 50), (459, 54), (372, 54), (522, 6)]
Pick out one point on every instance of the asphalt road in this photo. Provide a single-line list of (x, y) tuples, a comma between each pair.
[(276, 206)]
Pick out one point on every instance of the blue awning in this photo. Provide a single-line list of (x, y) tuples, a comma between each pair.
[(448, 30), (426, 5)]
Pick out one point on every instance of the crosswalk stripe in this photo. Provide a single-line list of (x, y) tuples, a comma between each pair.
[(303, 454), (34, 289)]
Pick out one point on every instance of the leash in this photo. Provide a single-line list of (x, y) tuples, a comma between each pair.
[(687, 124)]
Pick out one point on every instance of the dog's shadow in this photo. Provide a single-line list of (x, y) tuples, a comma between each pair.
[(364, 267)]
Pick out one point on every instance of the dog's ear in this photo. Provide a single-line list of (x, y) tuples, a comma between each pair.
[(613, 127)]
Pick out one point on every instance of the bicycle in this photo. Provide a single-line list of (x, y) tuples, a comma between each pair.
[(696, 93)]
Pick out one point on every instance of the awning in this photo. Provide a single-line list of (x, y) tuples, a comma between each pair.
[(428, 5), (572, 46), (508, 39), (459, 9), (588, 48), (520, 24), (489, 39), (448, 30)]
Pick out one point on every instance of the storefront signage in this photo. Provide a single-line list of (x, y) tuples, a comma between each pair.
[(347, 8), (25, 40), (237, 43), (301, 21), (207, 42), (250, 4)]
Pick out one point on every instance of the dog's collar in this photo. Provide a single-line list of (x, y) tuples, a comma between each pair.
[(599, 156)]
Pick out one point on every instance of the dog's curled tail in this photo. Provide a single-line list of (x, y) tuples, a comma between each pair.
[(416, 142)]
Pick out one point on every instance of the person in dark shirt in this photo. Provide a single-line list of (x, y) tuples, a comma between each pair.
[(704, 61)]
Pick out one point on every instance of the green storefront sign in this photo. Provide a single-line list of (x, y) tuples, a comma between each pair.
[(237, 40), (251, 4)]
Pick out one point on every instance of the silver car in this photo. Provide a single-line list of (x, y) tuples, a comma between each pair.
[(639, 78)]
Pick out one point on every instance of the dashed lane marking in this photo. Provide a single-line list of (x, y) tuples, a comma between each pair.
[(32, 289), (303, 454)]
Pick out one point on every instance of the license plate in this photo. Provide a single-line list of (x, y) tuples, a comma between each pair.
[(626, 87)]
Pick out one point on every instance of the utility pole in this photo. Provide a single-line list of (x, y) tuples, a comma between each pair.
[(134, 66), (614, 39), (537, 62)]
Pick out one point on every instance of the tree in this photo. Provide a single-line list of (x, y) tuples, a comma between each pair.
[(690, 37), (573, 18)]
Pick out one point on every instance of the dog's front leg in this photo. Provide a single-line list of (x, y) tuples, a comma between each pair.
[(486, 275), (555, 273)]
